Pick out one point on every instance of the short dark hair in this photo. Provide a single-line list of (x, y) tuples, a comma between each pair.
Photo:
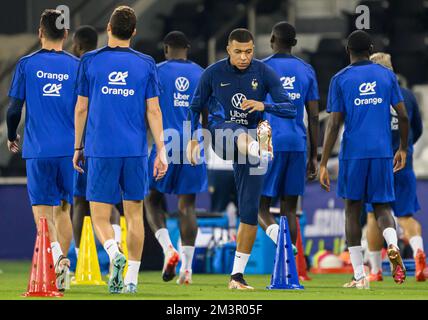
[(48, 26), (123, 22), (176, 40), (86, 37), (284, 34), (359, 42), (241, 35)]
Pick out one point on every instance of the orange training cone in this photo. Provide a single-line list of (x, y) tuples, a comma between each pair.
[(88, 268), (42, 278), (300, 259)]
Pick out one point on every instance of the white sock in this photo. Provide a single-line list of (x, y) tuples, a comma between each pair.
[(240, 262), (390, 235), (416, 243), (132, 273), (375, 258), (117, 233), (77, 252), (356, 254), (163, 238), (111, 247), (272, 232), (186, 257), (253, 149), (56, 251)]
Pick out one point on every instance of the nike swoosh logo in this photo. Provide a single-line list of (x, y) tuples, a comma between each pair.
[(224, 84)]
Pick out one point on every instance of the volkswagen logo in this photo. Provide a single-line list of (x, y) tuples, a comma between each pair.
[(237, 99), (182, 84)]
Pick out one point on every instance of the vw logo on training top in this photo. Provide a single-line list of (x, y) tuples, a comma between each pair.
[(118, 78), (52, 90), (367, 88), (237, 99), (182, 84)]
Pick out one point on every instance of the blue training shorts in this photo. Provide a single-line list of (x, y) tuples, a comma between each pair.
[(370, 180), (180, 178), (112, 179), (406, 200), (80, 181), (286, 174), (50, 180)]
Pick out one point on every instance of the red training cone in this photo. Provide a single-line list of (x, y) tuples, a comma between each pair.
[(42, 278), (300, 259)]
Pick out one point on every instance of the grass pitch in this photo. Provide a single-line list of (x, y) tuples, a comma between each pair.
[(14, 279)]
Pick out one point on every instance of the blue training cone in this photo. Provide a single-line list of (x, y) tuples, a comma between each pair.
[(284, 275)]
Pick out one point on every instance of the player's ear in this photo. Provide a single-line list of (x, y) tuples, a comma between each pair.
[(65, 34), (228, 49), (40, 33), (134, 33), (371, 49), (347, 50), (294, 42), (109, 28)]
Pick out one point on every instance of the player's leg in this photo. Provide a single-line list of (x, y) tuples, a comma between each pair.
[(156, 217), (80, 210), (188, 232), (413, 232), (380, 192), (405, 206), (45, 193), (115, 223), (80, 205), (249, 188), (375, 245), (353, 238), (133, 211), (288, 208), (103, 190), (63, 225), (134, 181), (351, 187), (266, 219)]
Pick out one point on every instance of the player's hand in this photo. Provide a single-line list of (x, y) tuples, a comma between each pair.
[(78, 160), (252, 105), (13, 146), (160, 166), (400, 160), (312, 169), (324, 178), (193, 152)]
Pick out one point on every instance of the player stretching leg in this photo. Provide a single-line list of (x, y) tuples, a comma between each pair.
[(233, 89), (45, 81), (121, 87), (360, 95), (178, 77), (406, 202), (85, 39), (286, 173)]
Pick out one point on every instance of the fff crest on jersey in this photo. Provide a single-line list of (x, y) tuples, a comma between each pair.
[(254, 84)]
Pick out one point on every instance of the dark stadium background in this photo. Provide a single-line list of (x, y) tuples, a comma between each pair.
[(398, 27)]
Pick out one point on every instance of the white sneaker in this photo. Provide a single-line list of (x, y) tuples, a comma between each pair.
[(185, 277), (362, 283), (62, 272)]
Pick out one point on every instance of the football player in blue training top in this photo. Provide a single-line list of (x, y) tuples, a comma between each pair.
[(178, 77), (121, 87), (85, 39), (360, 95), (287, 172), (406, 201), (234, 90), (45, 81)]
